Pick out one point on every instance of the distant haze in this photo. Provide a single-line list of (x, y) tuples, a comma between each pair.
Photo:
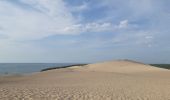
[(80, 31)]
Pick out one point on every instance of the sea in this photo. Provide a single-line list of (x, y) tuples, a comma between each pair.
[(26, 68)]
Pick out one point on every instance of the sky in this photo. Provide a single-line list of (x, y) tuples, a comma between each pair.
[(84, 30)]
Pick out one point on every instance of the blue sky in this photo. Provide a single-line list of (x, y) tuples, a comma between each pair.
[(84, 30)]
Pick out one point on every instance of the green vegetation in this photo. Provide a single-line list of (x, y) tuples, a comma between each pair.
[(166, 66), (51, 68)]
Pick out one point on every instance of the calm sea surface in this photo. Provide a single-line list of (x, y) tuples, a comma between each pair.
[(24, 68)]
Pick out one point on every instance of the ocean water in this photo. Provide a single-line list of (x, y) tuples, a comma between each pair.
[(25, 68)]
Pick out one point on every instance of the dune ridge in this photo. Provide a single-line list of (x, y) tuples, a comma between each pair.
[(120, 66)]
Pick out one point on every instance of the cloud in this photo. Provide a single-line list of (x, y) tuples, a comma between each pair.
[(123, 24), (46, 18), (96, 27), (79, 8)]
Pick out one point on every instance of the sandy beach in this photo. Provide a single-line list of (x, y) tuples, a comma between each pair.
[(112, 80)]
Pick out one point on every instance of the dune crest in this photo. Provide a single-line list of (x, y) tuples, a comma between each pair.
[(120, 66)]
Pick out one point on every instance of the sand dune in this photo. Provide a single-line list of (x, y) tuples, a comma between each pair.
[(114, 80), (121, 66)]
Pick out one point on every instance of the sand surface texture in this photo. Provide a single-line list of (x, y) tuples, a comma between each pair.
[(114, 80)]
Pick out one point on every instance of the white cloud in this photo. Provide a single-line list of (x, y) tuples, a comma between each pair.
[(48, 18), (123, 24), (96, 27)]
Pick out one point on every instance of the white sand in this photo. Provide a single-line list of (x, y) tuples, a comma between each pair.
[(115, 80)]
